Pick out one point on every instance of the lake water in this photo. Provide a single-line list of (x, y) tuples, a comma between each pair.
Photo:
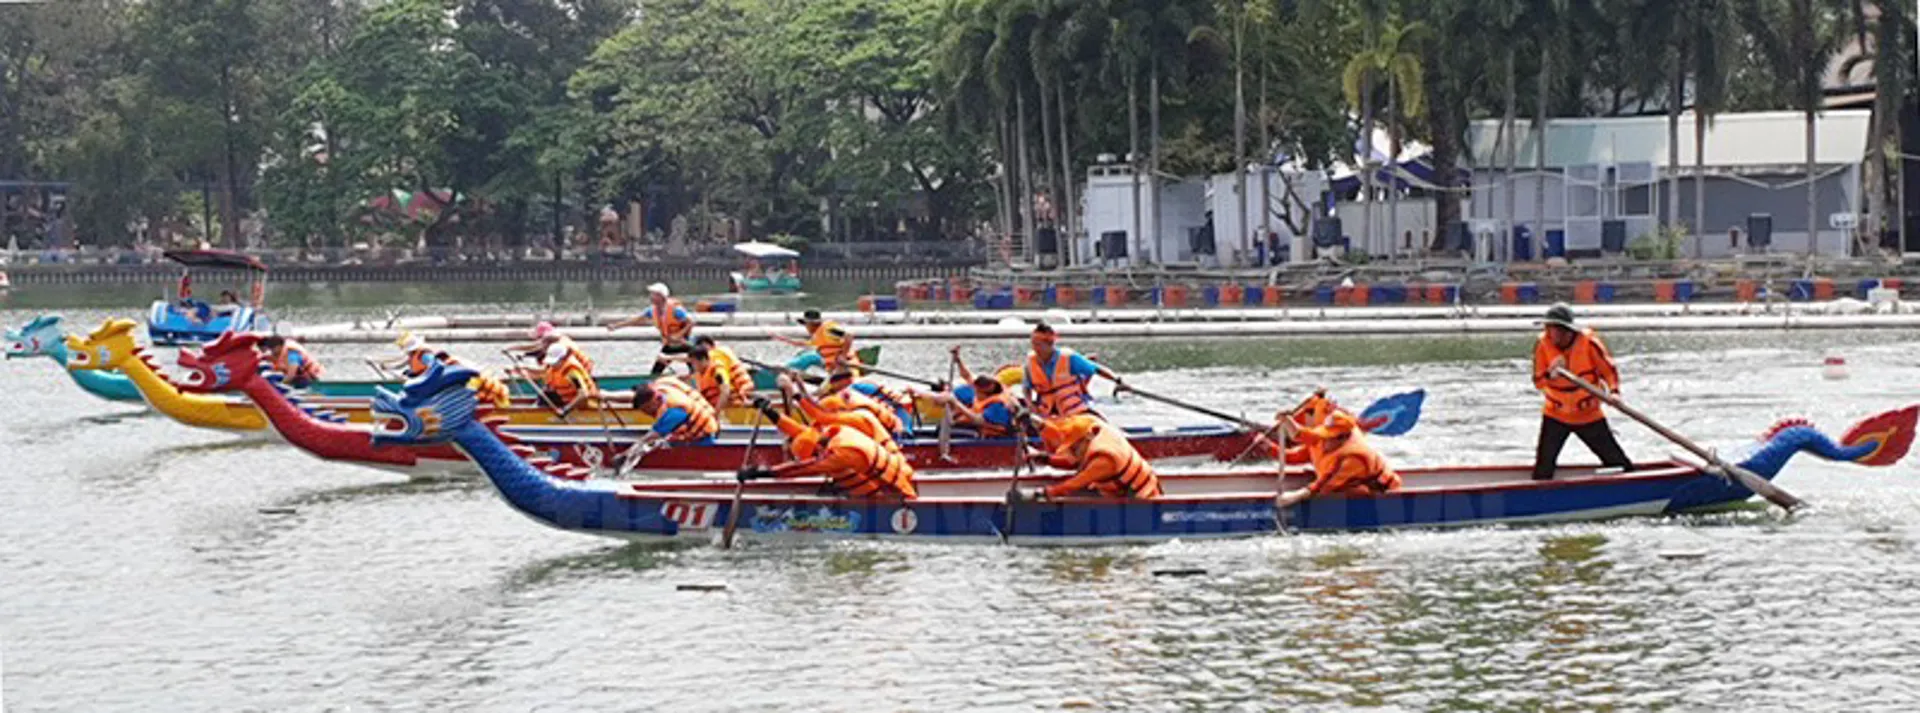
[(148, 567)]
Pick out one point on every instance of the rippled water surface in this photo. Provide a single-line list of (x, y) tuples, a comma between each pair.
[(145, 566)]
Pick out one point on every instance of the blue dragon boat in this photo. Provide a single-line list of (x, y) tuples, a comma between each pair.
[(43, 337), (189, 320), (438, 407)]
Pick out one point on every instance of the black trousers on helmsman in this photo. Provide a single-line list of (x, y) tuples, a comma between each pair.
[(1597, 435)]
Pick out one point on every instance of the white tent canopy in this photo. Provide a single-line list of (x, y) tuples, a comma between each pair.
[(763, 251)]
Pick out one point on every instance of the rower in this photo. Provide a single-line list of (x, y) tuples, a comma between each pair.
[(986, 405), (839, 394), (830, 345), (1343, 463), (1100, 456), (855, 464), (543, 335), (1006, 374), (834, 410), (667, 315), (565, 376), (720, 383), (1057, 378), (677, 416), (417, 356), (900, 401), (292, 360), (1570, 410)]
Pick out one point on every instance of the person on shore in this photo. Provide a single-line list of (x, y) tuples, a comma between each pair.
[(1343, 463), (830, 345), (1057, 379), (678, 417), (292, 360), (1101, 458), (722, 383), (855, 464), (667, 315), (1569, 409)]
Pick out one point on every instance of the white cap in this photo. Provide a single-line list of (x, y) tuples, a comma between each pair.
[(556, 353), (413, 343), (659, 289)]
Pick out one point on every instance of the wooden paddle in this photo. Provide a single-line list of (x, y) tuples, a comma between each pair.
[(540, 394), (1746, 478), (897, 375), (1202, 410), (946, 414), (739, 489), (1013, 482)]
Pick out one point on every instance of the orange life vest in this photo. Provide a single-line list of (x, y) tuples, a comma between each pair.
[(673, 330), (1588, 359), (1110, 465), (1352, 468), (736, 371), (716, 379), (834, 352), (848, 399), (417, 362), (833, 412), (701, 420), (1056, 391), (986, 428), (308, 371), (879, 472), (573, 372)]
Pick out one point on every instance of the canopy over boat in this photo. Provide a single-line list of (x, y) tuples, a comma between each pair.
[(217, 259), (763, 251)]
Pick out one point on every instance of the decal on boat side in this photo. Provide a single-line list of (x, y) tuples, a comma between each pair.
[(689, 516), (904, 521), (790, 519), (1214, 516)]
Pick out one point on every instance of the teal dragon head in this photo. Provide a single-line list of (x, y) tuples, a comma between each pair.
[(429, 409), (40, 337)]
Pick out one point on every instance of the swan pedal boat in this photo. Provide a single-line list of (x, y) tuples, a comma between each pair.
[(439, 408)]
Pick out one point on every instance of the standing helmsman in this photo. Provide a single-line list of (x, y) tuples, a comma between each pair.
[(1571, 410)]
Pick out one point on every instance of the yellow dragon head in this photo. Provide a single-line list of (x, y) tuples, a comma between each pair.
[(109, 347)]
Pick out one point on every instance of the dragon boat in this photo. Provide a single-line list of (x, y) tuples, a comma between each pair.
[(353, 388), (112, 347), (233, 363), (440, 407), (43, 337)]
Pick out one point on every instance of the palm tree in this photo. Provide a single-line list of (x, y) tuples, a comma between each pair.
[(970, 91), (1010, 65), (1236, 13), (1713, 32), (1390, 57), (1796, 39)]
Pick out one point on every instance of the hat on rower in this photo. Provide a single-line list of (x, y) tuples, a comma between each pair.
[(1561, 315), (556, 352), (542, 330), (410, 343), (810, 316), (660, 289)]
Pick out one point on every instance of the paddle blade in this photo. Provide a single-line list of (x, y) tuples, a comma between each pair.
[(1394, 415), (1890, 434)]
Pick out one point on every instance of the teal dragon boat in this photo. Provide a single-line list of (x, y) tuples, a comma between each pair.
[(43, 337)]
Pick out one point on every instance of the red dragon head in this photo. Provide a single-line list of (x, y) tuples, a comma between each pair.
[(227, 364)]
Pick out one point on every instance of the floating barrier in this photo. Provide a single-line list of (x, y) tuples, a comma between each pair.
[(1224, 322)]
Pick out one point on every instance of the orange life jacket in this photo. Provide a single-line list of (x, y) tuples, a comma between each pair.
[(1351, 468), (701, 420), (1056, 391), (673, 330), (1588, 359), (309, 370), (835, 352), (994, 430), (736, 371), (716, 379), (417, 362), (1109, 464), (880, 472), (565, 377), (848, 399), (837, 413)]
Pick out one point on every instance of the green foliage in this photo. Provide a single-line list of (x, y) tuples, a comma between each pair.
[(1661, 244), (829, 119)]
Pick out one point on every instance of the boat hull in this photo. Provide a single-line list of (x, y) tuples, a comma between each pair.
[(348, 388), (169, 325), (958, 508)]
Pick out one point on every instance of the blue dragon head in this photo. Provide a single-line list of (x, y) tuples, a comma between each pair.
[(40, 337), (429, 409), (1879, 440)]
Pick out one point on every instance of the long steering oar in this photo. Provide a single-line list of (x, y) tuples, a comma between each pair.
[(1744, 477), (1019, 429), (946, 412), (739, 489), (897, 375)]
